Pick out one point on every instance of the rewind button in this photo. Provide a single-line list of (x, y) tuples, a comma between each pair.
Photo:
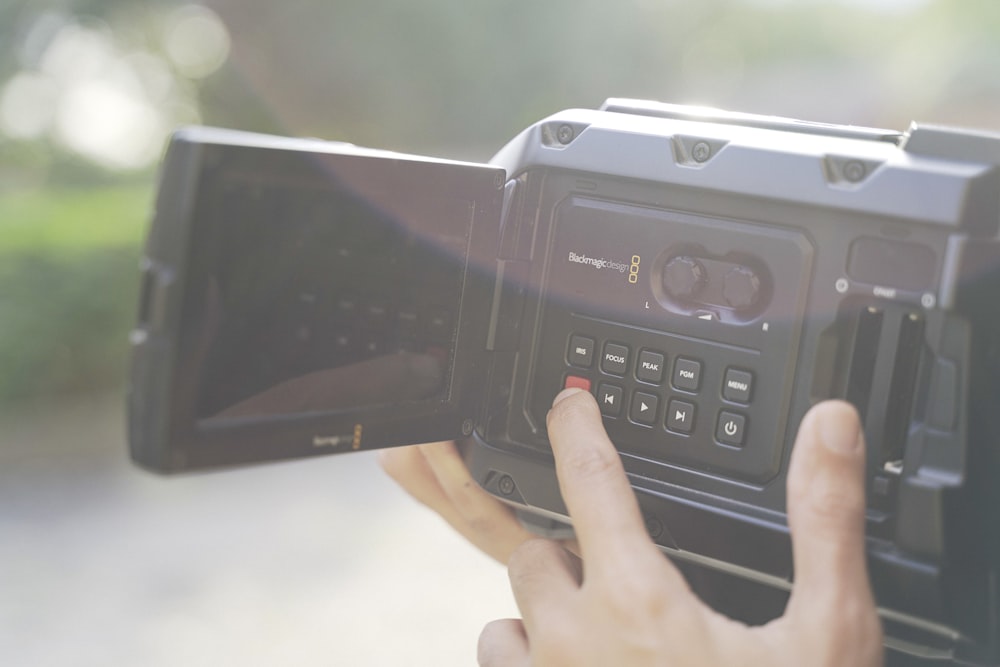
[(609, 397)]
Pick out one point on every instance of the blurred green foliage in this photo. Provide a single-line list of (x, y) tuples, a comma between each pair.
[(436, 77), (68, 288)]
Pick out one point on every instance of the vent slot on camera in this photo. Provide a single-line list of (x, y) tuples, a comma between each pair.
[(884, 358), (902, 390), (867, 330)]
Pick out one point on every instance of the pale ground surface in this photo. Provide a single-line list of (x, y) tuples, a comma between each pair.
[(322, 562)]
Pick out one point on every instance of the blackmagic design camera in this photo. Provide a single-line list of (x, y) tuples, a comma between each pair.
[(707, 276)]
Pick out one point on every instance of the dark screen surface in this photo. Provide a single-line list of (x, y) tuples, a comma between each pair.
[(319, 291)]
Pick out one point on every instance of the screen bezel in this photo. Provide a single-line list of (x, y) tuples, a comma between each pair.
[(165, 433)]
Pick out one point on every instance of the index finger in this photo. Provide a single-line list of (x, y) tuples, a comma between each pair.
[(592, 480)]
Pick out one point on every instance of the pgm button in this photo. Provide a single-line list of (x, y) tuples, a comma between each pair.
[(687, 374)]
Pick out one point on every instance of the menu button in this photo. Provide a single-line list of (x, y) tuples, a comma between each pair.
[(737, 385)]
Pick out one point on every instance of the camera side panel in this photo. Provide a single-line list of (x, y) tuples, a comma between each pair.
[(690, 326), (878, 238)]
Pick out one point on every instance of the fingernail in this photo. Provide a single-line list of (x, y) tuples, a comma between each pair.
[(564, 394), (839, 429)]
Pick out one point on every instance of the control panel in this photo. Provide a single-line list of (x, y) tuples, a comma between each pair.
[(684, 329)]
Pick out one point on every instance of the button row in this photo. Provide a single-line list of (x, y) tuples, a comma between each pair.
[(680, 415), (737, 384)]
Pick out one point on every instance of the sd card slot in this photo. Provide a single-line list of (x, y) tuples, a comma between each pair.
[(863, 356), (902, 389)]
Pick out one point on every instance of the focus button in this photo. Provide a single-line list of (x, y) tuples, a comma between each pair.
[(614, 360)]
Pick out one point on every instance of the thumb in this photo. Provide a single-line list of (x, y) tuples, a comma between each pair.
[(826, 507)]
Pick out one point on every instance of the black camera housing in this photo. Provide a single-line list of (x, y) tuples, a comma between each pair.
[(708, 276)]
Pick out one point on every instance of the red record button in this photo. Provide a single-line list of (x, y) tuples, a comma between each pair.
[(575, 381)]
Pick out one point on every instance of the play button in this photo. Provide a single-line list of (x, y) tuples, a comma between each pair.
[(644, 408)]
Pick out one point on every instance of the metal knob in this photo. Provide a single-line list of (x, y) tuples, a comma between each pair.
[(741, 287), (684, 277)]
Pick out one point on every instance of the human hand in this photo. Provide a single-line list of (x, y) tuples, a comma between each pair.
[(436, 475), (623, 603)]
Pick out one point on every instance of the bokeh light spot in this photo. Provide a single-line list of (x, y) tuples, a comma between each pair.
[(26, 106), (107, 125), (196, 41)]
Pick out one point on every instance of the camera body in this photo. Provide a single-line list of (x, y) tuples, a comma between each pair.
[(707, 276)]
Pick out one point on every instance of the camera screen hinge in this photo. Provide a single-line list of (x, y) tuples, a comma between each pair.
[(508, 305)]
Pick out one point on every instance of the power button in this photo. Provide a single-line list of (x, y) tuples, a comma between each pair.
[(731, 428)]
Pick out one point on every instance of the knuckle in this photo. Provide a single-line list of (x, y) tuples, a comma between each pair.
[(483, 515), (826, 500), (864, 642), (834, 506), (482, 524), (558, 650), (396, 462), (843, 628), (563, 643), (491, 640), (590, 463), (529, 553), (861, 622), (467, 496), (633, 596)]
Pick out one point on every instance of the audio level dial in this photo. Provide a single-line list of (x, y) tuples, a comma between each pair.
[(684, 277), (741, 287)]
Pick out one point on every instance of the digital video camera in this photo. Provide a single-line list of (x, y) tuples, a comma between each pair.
[(707, 276)]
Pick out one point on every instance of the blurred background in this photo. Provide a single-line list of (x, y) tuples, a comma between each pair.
[(325, 562)]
